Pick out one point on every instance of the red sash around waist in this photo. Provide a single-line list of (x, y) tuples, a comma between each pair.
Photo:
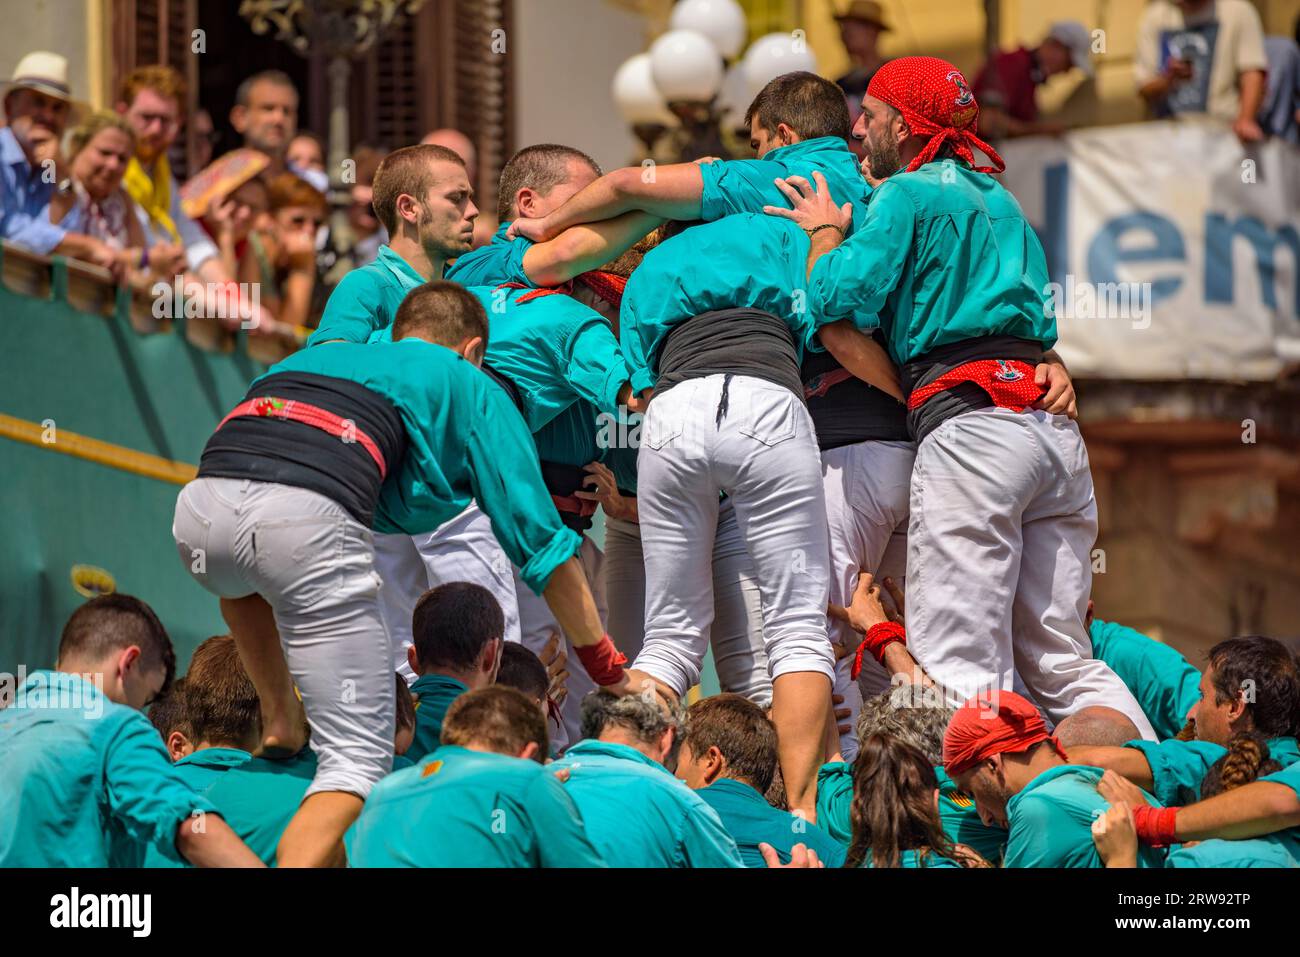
[(326, 421), (574, 505), (821, 384), (1009, 383)]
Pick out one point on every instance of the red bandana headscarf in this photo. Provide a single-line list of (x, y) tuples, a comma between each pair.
[(936, 101), (985, 726)]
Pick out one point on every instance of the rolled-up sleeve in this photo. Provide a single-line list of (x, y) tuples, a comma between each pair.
[(507, 483), (595, 366), (145, 794)]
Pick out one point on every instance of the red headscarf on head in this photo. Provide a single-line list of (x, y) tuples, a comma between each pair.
[(981, 729), (936, 101)]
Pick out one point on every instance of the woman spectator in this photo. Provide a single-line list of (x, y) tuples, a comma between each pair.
[(99, 149)]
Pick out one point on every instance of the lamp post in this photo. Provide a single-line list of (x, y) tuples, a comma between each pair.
[(685, 74), (341, 31)]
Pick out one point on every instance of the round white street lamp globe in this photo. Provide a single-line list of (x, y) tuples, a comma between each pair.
[(686, 66), (735, 96), (776, 53), (637, 96), (722, 21)]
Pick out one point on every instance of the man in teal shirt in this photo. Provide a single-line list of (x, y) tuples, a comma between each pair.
[(423, 196), (1165, 684), (1249, 684), (483, 799), (535, 181), (424, 199), (458, 629), (636, 812), (86, 782), (948, 268), (997, 749), (728, 757), (414, 459)]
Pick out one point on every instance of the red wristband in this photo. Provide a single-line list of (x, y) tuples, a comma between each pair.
[(879, 637), (602, 661), (1155, 825)]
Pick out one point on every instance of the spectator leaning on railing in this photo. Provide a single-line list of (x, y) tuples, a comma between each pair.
[(1006, 87), (37, 102), (98, 150), (1204, 56), (286, 253)]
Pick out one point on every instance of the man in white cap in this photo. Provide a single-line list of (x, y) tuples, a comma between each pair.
[(1007, 85), (37, 103)]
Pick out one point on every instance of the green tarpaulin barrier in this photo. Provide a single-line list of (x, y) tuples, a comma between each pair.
[(70, 372)]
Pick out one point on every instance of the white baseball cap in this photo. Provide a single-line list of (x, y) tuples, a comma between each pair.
[(1074, 36)]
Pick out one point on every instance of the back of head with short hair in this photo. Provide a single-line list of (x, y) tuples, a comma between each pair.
[(807, 103), (740, 730), (113, 623), (639, 717), (168, 713), (522, 670), (540, 168), (453, 623), (898, 714), (1096, 726), (409, 171), (1265, 671), (443, 312), (497, 719), (220, 700)]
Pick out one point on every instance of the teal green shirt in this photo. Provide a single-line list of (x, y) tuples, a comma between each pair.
[(1051, 821), (84, 782), (944, 255), (1272, 850), (1289, 775), (749, 260), (203, 768), (259, 797), (462, 808), (747, 185), (1165, 685), (1178, 767), (556, 351), (366, 299), (639, 815), (915, 859), (750, 820), (957, 812), (501, 260), (465, 440), (435, 695)]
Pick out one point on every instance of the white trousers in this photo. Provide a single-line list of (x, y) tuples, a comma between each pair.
[(999, 563), (314, 565), (537, 624), (753, 440), (736, 632), (460, 550), (867, 487)]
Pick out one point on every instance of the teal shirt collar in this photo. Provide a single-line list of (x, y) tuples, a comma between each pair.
[(739, 789), (436, 682), (611, 749), (216, 758), (1051, 774), (399, 267), (819, 144)]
